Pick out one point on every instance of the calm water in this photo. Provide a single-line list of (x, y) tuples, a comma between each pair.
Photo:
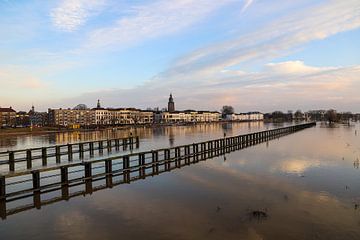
[(301, 186)]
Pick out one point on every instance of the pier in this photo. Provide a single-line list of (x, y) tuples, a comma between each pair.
[(117, 170)]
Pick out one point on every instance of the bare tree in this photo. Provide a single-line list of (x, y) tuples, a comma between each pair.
[(331, 116), (227, 110)]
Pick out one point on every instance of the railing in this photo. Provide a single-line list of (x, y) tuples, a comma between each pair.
[(55, 153), (127, 168)]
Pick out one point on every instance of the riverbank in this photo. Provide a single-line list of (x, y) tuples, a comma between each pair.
[(42, 130)]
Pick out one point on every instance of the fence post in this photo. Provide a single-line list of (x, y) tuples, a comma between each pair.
[(36, 179), (2, 187), (28, 159), (64, 175), (44, 156), (126, 171), (11, 161), (137, 142), (70, 152), (91, 148)]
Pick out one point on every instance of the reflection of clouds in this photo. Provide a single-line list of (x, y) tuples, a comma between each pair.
[(73, 225), (298, 166)]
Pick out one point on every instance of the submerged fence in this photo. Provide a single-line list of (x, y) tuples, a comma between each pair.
[(120, 169), (55, 153)]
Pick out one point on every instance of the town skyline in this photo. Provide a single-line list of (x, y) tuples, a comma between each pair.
[(269, 56)]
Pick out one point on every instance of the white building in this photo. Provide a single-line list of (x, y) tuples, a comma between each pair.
[(187, 116), (245, 117)]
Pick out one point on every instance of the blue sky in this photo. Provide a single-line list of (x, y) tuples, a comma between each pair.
[(252, 54)]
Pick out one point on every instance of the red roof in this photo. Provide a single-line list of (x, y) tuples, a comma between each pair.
[(7, 110)]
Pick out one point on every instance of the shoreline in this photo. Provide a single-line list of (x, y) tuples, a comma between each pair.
[(45, 130)]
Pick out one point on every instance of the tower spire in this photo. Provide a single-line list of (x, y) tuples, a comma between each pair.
[(171, 104)]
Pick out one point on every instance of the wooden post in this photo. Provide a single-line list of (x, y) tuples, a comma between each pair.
[(64, 175), (57, 154), (70, 152), (2, 187), (101, 147), (28, 159), (155, 158), (137, 142), (109, 145), (65, 192), (124, 143), (44, 156), (141, 158), (88, 179), (117, 144), (91, 148), (167, 158), (126, 162), (36, 179), (81, 150), (2, 197), (126, 171), (37, 199), (131, 141), (11, 162), (87, 170), (3, 209), (108, 167), (177, 157)]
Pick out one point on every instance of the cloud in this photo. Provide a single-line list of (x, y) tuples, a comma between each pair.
[(275, 39), (69, 15), (293, 67), (246, 5), (283, 89), (153, 20)]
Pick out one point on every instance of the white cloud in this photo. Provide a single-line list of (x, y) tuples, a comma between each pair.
[(275, 39), (153, 20), (69, 15), (293, 67), (325, 87), (246, 5)]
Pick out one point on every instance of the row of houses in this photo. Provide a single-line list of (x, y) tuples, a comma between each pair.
[(99, 116), (81, 116), (250, 116), (127, 116)]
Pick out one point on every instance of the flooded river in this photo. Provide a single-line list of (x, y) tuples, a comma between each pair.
[(304, 185)]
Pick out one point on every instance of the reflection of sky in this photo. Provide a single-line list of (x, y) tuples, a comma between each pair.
[(214, 199)]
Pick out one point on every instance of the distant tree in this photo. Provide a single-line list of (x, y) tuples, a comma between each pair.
[(278, 115), (298, 114), (331, 116), (80, 107), (227, 110), (346, 116)]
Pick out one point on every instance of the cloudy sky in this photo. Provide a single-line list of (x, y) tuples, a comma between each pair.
[(252, 54)]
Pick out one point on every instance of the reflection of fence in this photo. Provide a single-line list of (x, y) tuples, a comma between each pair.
[(12, 158), (121, 169)]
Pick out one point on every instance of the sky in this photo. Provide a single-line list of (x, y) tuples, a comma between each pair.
[(256, 55)]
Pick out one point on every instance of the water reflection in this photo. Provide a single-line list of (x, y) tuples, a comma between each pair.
[(257, 193), (166, 134)]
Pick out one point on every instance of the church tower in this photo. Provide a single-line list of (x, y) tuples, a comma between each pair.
[(171, 104)]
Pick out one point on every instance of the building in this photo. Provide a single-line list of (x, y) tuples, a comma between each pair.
[(99, 116), (22, 119), (39, 119), (171, 104), (7, 117), (245, 117), (187, 116), (71, 117)]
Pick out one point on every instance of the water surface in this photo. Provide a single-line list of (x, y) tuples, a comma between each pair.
[(301, 186)]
